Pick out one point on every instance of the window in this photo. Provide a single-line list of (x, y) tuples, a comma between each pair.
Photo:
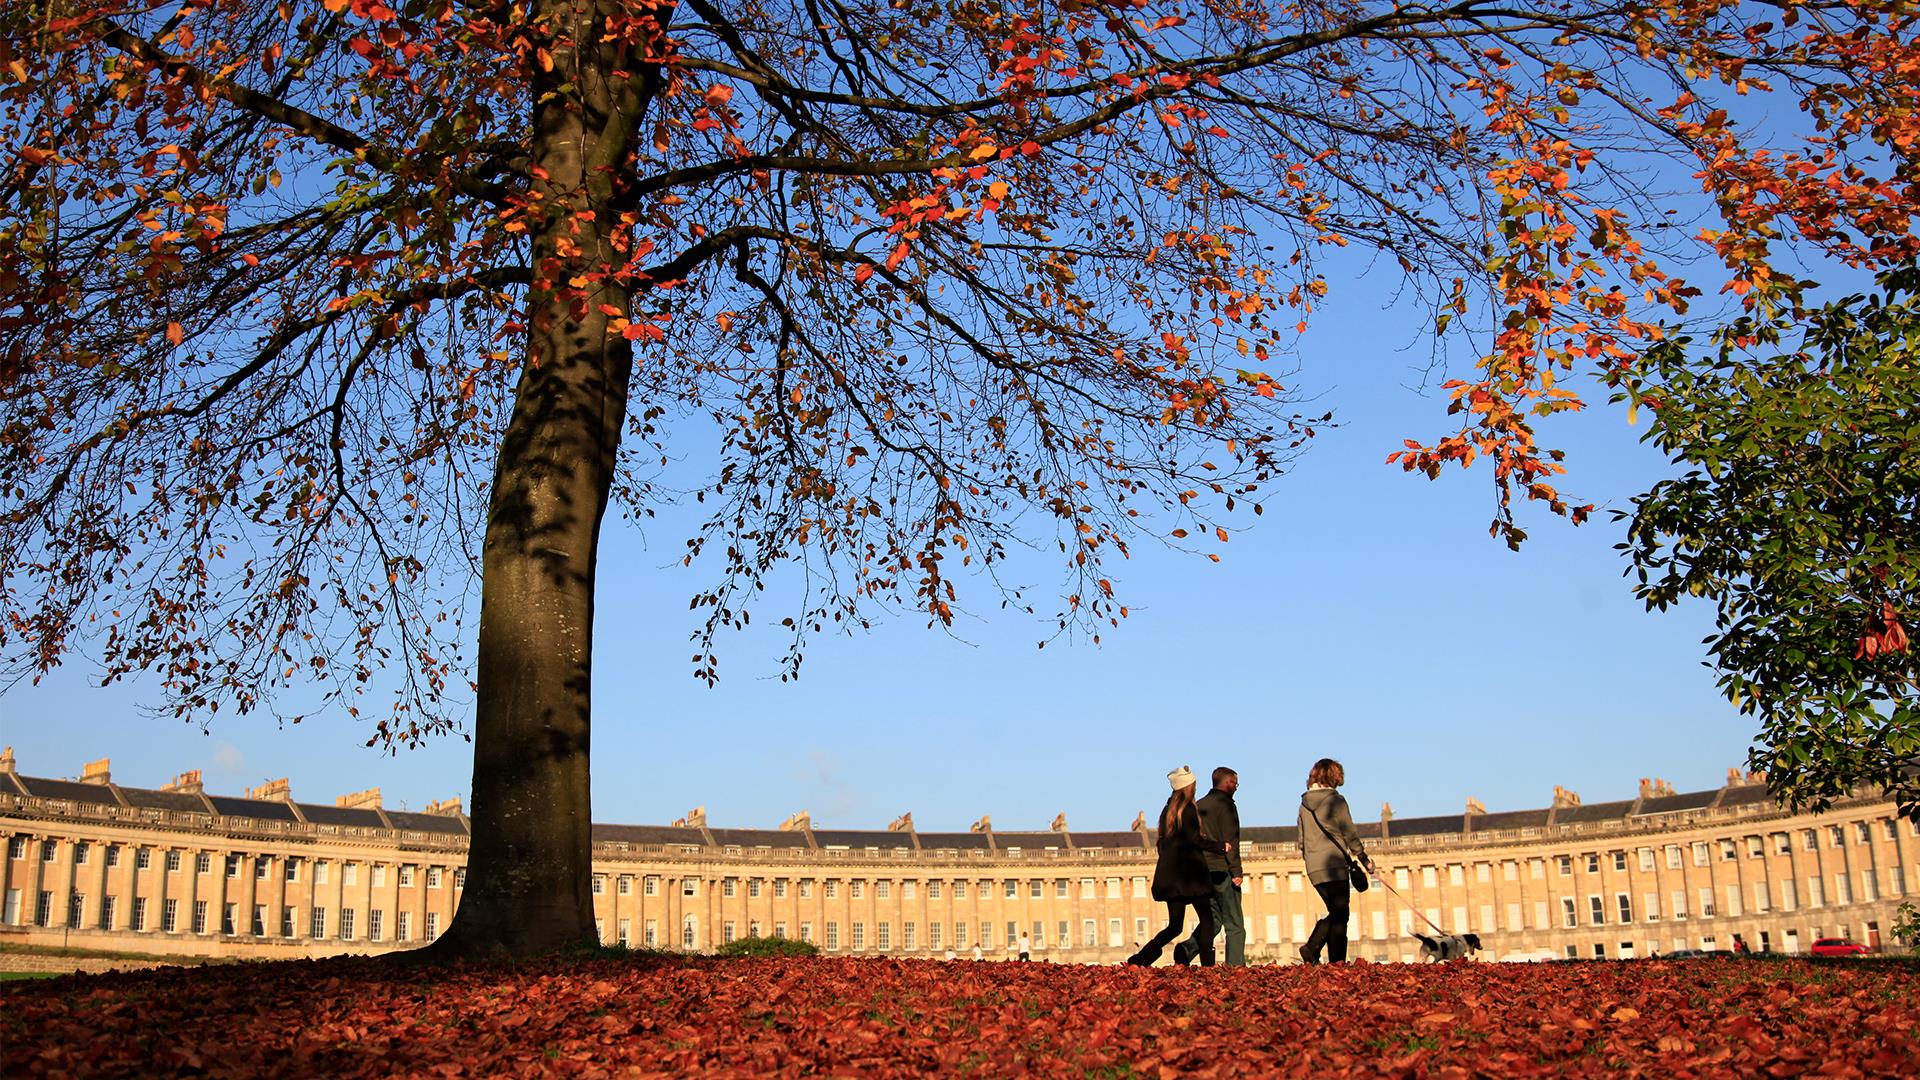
[(753, 888), (727, 888), (690, 933), (933, 934), (107, 912), (1113, 888), (1761, 901), (1539, 915), (1089, 933), (1727, 851), (346, 923), (833, 934), (1673, 856), (726, 932), (1599, 950), (833, 889), (43, 909), (1482, 872), (1427, 877), (1566, 864), (1596, 912), (1706, 902), (262, 867), (1113, 933), (1063, 934), (113, 854), (286, 922), (1625, 904), (650, 885), (1679, 898), (228, 913), (1013, 933), (80, 850), (650, 933), (859, 938), (599, 884), (933, 890), (1782, 843), (1788, 900), (1401, 879), (292, 872), (350, 874), (379, 882), (1650, 905), (884, 938), (460, 877), (433, 926), (1815, 897), (321, 871), (1510, 870), (17, 847), (1568, 918), (1270, 883), (170, 916), (173, 860), (233, 866), (199, 916), (1140, 888), (1811, 838), (1034, 890), (403, 926), (1865, 832), (959, 935), (1646, 858), (1701, 854), (1593, 863), (1012, 888), (1842, 889), (374, 920), (49, 850), (1755, 848), (1619, 860), (433, 879), (689, 887), (986, 934), (406, 875), (1060, 888), (882, 890), (780, 889), (959, 890), (1733, 900), (623, 937), (317, 923)]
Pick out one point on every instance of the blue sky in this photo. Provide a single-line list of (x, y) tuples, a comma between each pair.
[(1368, 616)]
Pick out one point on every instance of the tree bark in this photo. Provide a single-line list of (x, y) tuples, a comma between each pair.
[(529, 864)]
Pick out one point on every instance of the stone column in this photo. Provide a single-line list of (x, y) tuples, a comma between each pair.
[(6, 872), (276, 916)]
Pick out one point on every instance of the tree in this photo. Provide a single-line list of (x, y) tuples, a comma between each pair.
[(305, 306), (1799, 518)]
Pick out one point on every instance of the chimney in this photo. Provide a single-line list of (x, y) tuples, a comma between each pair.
[(1564, 799), (95, 772), (985, 824), (903, 823), (696, 818), (1646, 788), (6, 760), (368, 799), (1662, 788), (1475, 806), (1059, 822), (271, 791), (444, 807), (1139, 822), (187, 783), (799, 822)]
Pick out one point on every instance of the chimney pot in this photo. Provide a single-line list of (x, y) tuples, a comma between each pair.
[(368, 799)]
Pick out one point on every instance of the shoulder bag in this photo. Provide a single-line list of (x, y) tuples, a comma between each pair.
[(1356, 877)]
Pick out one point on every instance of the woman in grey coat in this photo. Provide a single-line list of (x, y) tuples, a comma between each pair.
[(1329, 844)]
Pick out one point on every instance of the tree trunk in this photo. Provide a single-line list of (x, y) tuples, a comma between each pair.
[(529, 865)]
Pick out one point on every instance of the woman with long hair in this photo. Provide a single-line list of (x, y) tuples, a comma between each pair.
[(1331, 847), (1180, 877)]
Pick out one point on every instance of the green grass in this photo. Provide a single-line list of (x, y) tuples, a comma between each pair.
[(18, 976)]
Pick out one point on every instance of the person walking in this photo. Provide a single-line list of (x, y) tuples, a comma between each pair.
[(1180, 877), (1026, 946), (1220, 820), (1331, 848)]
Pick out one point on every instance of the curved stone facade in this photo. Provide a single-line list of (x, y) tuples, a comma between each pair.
[(93, 864)]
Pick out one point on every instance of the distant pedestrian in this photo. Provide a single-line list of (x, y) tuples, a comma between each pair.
[(1220, 820), (1331, 848), (1026, 948), (977, 954), (1180, 877), (949, 952)]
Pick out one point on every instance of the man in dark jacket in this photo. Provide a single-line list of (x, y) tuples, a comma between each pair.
[(1220, 820)]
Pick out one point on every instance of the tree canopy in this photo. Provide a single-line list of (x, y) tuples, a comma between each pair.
[(307, 307), (1799, 518)]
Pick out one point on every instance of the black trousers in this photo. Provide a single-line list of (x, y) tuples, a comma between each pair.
[(1176, 918), (1331, 930)]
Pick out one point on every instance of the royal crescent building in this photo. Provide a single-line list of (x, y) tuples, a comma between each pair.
[(89, 863)]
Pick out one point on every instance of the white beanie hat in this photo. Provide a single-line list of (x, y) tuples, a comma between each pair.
[(1181, 777)]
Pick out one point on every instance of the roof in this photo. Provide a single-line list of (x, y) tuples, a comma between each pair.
[(10, 785), (1042, 840), (178, 801), (777, 838), (259, 809), (1270, 834), (1746, 795), (1427, 826), (964, 841), (71, 790), (445, 824), (355, 816), (1668, 804), (1087, 840), (648, 834), (862, 838), (1603, 811), (1510, 819)]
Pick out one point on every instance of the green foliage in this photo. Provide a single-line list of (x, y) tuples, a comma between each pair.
[(766, 946), (1906, 926), (1799, 517)]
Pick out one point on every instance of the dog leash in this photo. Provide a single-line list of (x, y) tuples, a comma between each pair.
[(1396, 894)]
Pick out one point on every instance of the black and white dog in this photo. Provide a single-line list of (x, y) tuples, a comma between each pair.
[(1441, 947)]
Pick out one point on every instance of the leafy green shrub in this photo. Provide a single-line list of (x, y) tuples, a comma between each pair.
[(767, 946)]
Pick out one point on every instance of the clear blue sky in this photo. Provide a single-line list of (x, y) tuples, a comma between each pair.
[(1368, 617)]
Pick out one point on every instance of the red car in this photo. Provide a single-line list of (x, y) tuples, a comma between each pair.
[(1838, 946)]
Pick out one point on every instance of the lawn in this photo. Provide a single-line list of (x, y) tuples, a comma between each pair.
[(654, 1016)]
